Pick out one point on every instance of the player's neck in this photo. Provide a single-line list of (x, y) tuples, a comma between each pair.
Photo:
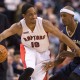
[(72, 26), (31, 26), (71, 29)]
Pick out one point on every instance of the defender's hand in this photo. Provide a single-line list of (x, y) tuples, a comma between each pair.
[(48, 65)]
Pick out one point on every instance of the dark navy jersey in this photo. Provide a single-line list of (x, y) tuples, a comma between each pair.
[(76, 36), (74, 66)]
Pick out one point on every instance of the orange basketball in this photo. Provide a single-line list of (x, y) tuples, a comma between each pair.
[(3, 53)]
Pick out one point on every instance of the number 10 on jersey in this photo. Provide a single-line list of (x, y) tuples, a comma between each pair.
[(35, 44)]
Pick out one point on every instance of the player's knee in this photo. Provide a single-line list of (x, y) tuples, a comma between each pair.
[(26, 74)]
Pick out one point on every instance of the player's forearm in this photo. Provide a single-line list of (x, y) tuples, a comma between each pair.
[(55, 63), (1, 37), (5, 34), (70, 43), (58, 61)]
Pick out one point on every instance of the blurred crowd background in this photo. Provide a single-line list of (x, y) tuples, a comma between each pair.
[(47, 9)]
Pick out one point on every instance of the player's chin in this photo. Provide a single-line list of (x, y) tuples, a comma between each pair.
[(33, 21), (65, 23)]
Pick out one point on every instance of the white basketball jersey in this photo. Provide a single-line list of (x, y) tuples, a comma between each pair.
[(37, 39)]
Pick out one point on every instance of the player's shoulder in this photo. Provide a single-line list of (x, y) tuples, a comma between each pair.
[(16, 28), (17, 25), (47, 25)]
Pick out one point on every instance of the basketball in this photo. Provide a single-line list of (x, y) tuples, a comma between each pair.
[(3, 53)]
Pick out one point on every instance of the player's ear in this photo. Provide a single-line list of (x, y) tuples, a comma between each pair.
[(73, 16)]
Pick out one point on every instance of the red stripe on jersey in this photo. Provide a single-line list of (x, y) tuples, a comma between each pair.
[(46, 77), (22, 54)]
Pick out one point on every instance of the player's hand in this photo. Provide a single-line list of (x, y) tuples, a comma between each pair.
[(62, 56), (48, 65)]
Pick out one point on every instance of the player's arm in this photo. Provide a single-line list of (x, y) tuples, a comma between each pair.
[(62, 47), (14, 29), (59, 60), (48, 26)]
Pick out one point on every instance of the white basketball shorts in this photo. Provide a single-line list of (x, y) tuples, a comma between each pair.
[(33, 59)]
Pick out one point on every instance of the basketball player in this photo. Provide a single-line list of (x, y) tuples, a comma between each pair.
[(34, 49), (72, 27)]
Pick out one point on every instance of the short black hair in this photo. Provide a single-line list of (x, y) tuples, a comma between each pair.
[(25, 7)]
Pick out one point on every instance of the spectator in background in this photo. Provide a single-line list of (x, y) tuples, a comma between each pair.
[(46, 2), (4, 24), (10, 73), (76, 5), (48, 11), (2, 6), (11, 51), (11, 7), (53, 19), (17, 65), (77, 16), (39, 8), (18, 11)]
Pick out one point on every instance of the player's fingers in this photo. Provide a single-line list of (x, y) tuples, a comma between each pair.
[(46, 66), (62, 56)]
